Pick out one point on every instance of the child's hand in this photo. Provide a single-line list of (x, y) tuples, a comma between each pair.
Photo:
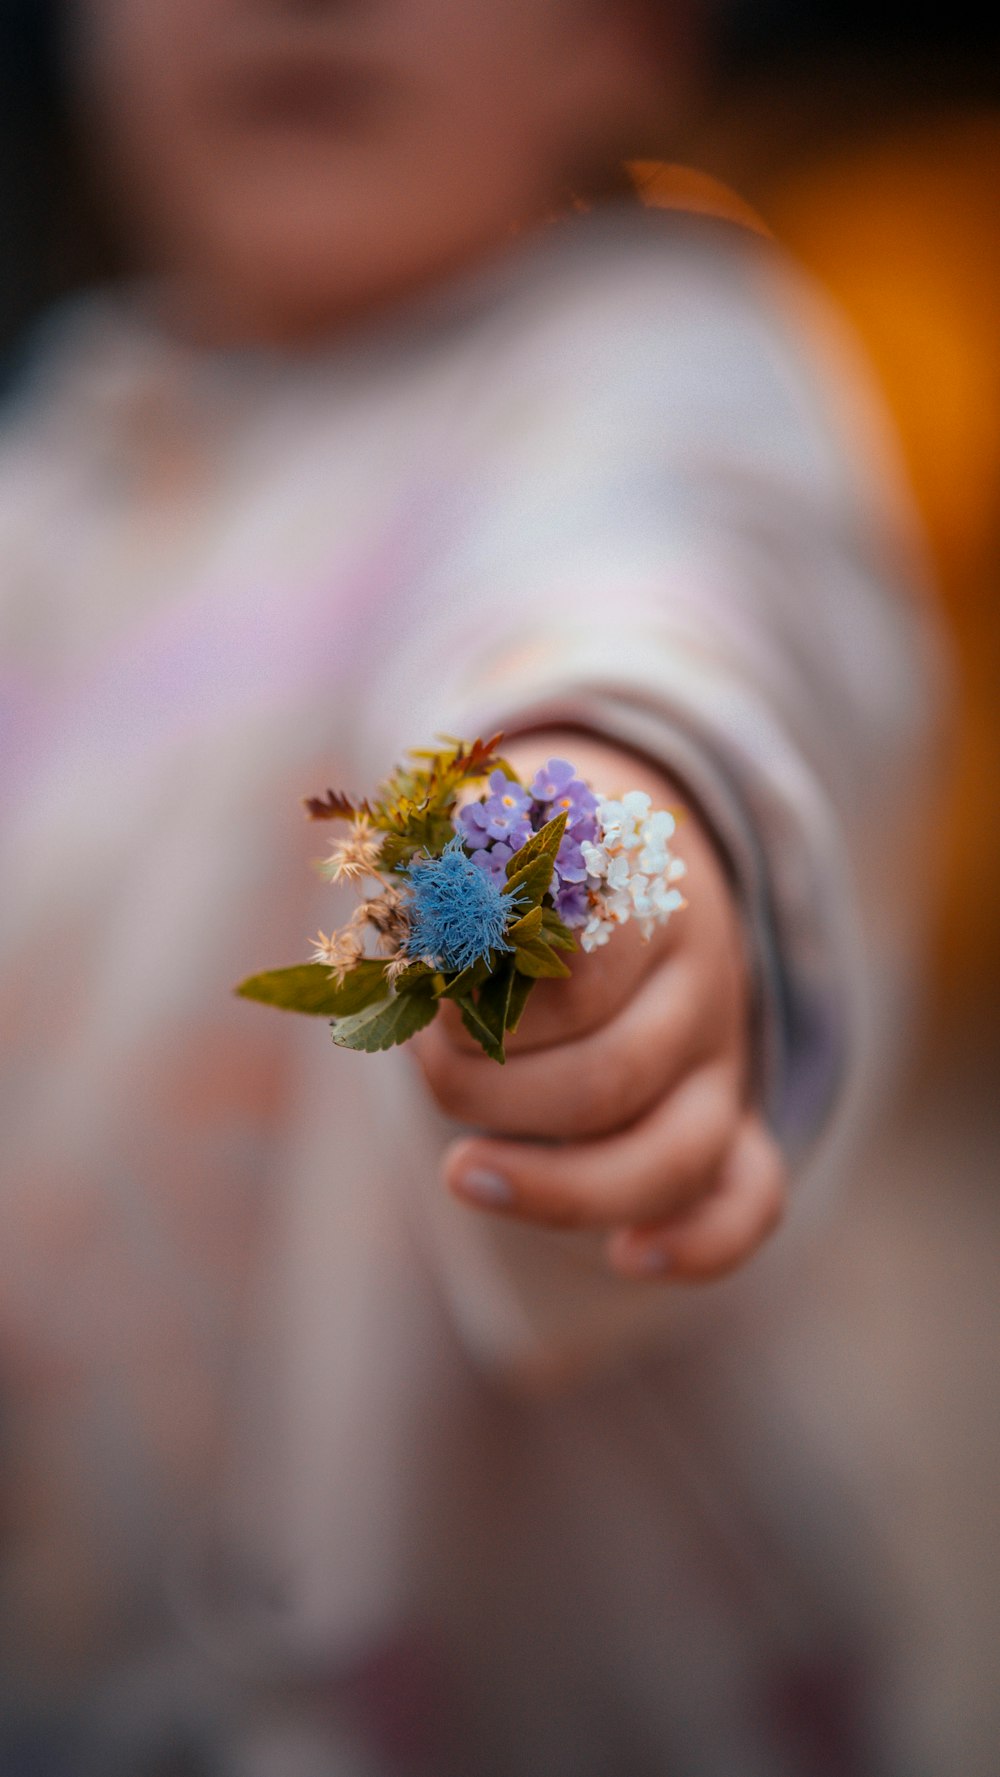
[(623, 1104)]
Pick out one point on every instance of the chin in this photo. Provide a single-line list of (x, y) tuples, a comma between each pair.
[(259, 284), (293, 271), (275, 295)]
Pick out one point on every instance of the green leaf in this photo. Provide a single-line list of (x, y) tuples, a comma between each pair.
[(463, 983), (383, 1025), (415, 803), (528, 886), (309, 987), (395, 851), (478, 1028), (540, 961), (558, 934), (520, 989), (529, 871), (528, 926), (418, 978), (544, 843), (494, 998)]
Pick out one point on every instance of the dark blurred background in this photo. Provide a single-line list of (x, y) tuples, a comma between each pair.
[(866, 138)]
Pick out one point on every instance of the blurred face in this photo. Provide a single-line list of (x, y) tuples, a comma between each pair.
[(295, 162)]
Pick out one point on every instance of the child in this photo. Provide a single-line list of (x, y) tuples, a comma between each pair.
[(341, 1439)]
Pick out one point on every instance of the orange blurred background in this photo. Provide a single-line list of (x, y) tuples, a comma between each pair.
[(900, 222)]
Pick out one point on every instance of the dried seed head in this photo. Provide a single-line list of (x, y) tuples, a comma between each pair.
[(356, 855), (339, 952)]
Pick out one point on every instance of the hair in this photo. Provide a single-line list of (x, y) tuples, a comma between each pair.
[(53, 241)]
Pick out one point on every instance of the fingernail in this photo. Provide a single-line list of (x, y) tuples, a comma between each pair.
[(486, 1187)]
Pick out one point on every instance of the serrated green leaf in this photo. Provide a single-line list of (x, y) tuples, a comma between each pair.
[(383, 1025), (397, 850), (309, 987), (539, 961), (416, 802), (418, 978), (478, 1028)]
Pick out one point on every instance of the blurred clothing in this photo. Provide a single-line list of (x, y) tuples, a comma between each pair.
[(310, 1467)]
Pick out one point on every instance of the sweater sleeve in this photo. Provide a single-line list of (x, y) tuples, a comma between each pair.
[(684, 532)]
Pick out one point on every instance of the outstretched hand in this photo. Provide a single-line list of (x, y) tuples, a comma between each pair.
[(624, 1101)]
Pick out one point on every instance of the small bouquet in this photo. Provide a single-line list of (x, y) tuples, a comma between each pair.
[(472, 898)]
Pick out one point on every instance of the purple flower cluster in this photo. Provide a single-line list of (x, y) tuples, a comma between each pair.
[(493, 829)]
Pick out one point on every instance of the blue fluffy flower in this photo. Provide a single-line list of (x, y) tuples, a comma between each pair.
[(458, 913)]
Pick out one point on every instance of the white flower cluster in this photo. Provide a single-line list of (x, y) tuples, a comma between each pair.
[(631, 871)]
